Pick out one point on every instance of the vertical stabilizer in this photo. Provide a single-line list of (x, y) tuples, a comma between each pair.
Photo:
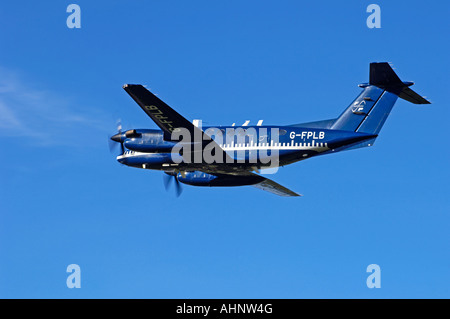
[(369, 111)]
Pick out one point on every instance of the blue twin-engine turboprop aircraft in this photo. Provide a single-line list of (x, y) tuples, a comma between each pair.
[(233, 155)]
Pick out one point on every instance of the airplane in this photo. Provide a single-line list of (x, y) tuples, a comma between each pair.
[(234, 155)]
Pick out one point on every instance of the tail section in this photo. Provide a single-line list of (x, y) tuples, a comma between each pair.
[(383, 76), (369, 111), (370, 98)]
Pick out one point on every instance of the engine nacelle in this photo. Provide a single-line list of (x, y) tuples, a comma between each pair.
[(142, 159), (148, 142), (197, 178), (132, 134)]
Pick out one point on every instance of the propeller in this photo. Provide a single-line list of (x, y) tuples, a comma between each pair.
[(113, 140), (168, 177)]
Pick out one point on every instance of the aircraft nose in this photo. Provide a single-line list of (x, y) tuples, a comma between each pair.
[(116, 138)]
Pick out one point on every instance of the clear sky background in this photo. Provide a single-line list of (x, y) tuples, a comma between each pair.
[(65, 200)]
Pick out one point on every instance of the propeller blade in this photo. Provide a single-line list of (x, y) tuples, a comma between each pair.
[(178, 188), (112, 145), (113, 140), (167, 181)]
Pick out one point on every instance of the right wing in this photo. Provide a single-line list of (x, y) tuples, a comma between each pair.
[(257, 181), (269, 185)]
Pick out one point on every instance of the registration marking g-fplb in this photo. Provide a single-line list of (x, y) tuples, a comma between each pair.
[(308, 134), (159, 115)]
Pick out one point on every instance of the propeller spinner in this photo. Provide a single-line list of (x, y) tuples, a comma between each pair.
[(117, 138)]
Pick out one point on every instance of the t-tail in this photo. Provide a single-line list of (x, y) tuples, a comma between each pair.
[(370, 109)]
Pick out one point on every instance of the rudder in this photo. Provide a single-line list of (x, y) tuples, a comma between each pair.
[(369, 111)]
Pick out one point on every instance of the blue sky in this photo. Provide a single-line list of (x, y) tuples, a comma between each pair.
[(64, 199)]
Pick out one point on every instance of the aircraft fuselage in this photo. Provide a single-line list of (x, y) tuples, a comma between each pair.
[(253, 146)]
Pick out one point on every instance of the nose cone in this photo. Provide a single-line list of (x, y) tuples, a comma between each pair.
[(117, 137)]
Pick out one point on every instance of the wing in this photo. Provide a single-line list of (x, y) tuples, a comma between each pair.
[(162, 114), (258, 181), (167, 118), (269, 185)]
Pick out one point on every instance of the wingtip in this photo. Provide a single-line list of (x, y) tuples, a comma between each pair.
[(128, 85)]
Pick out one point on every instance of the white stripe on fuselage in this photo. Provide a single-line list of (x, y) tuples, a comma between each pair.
[(313, 146), (275, 146)]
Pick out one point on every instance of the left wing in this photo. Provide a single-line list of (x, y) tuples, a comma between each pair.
[(162, 114), (168, 119)]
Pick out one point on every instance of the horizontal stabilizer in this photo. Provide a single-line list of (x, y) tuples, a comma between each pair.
[(411, 96), (383, 76)]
